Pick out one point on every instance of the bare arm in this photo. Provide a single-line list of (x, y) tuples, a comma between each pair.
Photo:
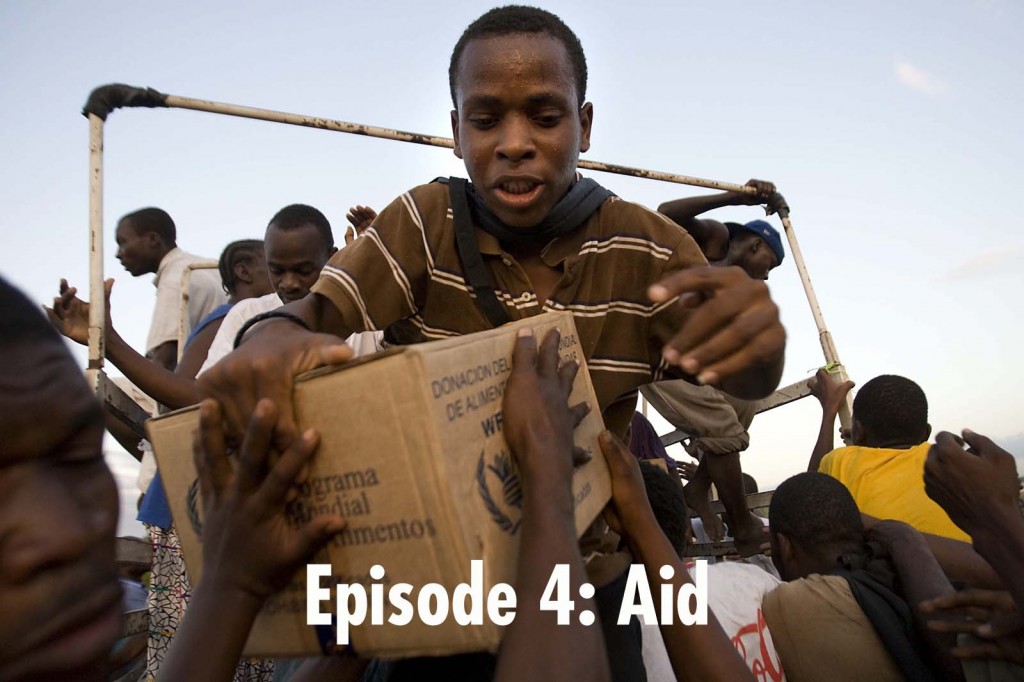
[(70, 316), (683, 211), (250, 549), (922, 580), (830, 395), (270, 356), (959, 561), (165, 355), (697, 652), (538, 425)]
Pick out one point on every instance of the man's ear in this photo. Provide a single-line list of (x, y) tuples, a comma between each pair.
[(927, 432), (586, 122), (455, 133), (153, 240)]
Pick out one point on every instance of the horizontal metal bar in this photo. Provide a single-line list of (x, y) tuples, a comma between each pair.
[(430, 140)]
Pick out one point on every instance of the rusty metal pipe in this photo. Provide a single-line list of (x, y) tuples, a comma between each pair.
[(97, 300), (828, 346), (430, 140)]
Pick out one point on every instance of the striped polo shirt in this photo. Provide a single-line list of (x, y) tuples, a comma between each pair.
[(406, 267)]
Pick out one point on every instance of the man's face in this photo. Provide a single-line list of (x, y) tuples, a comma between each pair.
[(517, 125), (61, 600), (138, 254), (760, 259), (294, 260)]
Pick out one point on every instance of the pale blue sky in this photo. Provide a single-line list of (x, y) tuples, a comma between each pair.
[(894, 130)]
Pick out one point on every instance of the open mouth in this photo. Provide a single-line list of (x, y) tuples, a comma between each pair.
[(518, 193)]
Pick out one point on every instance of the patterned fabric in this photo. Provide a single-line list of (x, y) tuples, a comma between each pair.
[(407, 268), (169, 594)]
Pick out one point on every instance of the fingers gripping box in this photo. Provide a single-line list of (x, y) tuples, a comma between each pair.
[(413, 455)]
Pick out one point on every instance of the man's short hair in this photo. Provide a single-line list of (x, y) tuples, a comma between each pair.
[(814, 511), (22, 321), (891, 408), (241, 251), (513, 19), (665, 494), (296, 215), (156, 220)]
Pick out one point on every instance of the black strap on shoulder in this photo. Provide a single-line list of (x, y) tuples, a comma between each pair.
[(477, 275), (893, 622)]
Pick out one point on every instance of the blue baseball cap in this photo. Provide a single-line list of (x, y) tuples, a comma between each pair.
[(763, 230)]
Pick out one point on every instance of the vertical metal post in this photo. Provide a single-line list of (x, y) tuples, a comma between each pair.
[(828, 346), (97, 300)]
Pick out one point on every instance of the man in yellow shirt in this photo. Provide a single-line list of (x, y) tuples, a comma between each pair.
[(884, 467)]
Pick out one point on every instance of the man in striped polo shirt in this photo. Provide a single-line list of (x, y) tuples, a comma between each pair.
[(527, 235), (643, 307)]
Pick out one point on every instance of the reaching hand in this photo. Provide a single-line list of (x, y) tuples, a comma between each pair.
[(249, 543), (70, 314), (829, 392), (687, 470), (989, 615), (629, 508), (733, 324), (265, 366), (764, 190), (538, 422), (776, 204), (978, 488), (361, 217)]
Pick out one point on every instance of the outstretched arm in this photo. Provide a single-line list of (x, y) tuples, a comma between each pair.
[(697, 652), (538, 426), (250, 549), (921, 579), (70, 316), (684, 211), (831, 395)]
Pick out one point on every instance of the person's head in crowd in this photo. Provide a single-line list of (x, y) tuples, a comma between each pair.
[(749, 484), (518, 80), (143, 238), (890, 411), (665, 494), (298, 243), (813, 521), (755, 246), (243, 270), (59, 590)]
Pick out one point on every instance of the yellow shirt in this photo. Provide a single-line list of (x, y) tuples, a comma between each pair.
[(889, 484)]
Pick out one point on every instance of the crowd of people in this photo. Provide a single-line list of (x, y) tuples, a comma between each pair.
[(893, 557)]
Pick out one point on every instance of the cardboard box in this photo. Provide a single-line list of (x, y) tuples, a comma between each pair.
[(413, 455)]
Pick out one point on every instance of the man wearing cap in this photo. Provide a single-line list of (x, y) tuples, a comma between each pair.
[(716, 421)]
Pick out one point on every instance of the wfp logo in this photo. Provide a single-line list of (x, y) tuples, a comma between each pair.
[(503, 471)]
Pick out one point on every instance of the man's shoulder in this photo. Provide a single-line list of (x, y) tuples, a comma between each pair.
[(618, 218), (811, 593)]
